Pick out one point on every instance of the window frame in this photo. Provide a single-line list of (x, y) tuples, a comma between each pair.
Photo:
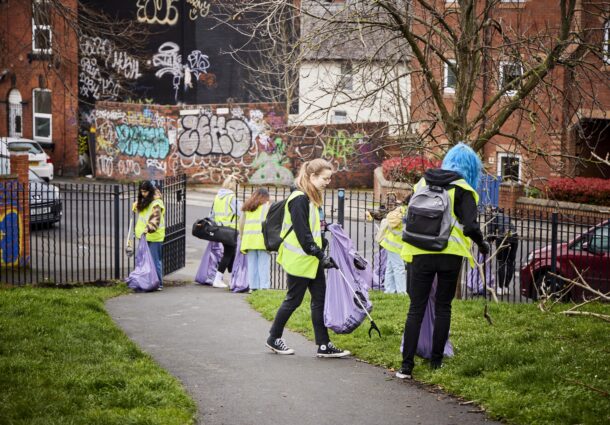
[(501, 79), (36, 114), (41, 26), (346, 79), (499, 168), (446, 88), (606, 45)]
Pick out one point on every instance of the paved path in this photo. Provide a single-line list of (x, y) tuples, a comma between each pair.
[(214, 343)]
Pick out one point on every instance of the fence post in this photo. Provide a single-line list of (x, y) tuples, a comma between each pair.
[(554, 228), (117, 237), (341, 206)]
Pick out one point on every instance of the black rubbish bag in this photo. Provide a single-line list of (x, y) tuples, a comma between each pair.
[(209, 230)]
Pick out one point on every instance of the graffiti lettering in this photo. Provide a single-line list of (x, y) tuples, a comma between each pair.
[(169, 59), (155, 163), (126, 65), (204, 135), (149, 142), (105, 165), (128, 166), (199, 8), (162, 12)]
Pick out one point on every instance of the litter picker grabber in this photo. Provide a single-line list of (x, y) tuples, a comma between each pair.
[(357, 298)]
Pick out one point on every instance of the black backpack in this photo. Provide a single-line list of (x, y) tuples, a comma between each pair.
[(272, 226)]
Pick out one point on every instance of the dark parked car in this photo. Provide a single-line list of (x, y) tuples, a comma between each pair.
[(589, 253), (45, 201)]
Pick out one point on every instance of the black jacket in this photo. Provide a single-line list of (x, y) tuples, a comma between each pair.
[(299, 213), (465, 207)]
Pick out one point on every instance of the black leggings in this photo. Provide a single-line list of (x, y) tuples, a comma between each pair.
[(226, 262), (297, 286), (423, 269)]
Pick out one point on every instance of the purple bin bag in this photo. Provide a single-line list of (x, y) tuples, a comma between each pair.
[(424, 344), (380, 260), (342, 312), (209, 263), (144, 277), (239, 274), (474, 282)]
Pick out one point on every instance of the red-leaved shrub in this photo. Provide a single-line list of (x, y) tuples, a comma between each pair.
[(408, 169), (584, 190)]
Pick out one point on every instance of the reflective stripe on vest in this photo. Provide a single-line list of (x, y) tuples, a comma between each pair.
[(458, 244), (392, 239), (143, 217), (252, 237), (291, 256), (223, 211)]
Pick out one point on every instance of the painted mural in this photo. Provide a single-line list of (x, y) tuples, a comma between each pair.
[(12, 232), (206, 142)]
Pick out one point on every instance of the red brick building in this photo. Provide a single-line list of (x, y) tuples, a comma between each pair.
[(39, 78), (563, 120)]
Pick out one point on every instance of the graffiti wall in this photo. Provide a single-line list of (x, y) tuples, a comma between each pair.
[(351, 148), (12, 225), (206, 142)]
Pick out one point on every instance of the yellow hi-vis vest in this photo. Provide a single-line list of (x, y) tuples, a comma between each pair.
[(291, 256), (252, 238), (223, 210), (458, 244), (392, 239), (143, 216)]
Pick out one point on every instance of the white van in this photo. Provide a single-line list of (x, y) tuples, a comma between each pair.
[(5, 161)]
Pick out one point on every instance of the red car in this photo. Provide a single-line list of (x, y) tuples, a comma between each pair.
[(590, 255)]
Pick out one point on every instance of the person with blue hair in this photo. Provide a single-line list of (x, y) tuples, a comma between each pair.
[(458, 175)]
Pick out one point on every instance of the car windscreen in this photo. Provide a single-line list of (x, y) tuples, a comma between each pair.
[(32, 148)]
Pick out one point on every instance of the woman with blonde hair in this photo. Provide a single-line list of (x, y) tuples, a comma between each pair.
[(302, 257), (255, 210), (225, 211)]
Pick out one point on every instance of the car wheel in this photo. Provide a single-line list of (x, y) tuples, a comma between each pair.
[(543, 286)]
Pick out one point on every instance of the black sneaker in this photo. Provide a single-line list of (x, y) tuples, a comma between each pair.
[(436, 365), (404, 373), (329, 350), (278, 346)]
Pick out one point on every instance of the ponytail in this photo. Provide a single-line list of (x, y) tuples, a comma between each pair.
[(303, 182)]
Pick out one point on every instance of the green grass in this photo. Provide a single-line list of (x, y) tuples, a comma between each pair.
[(528, 368), (63, 361)]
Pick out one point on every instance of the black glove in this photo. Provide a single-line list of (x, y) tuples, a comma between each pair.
[(484, 248), (329, 263)]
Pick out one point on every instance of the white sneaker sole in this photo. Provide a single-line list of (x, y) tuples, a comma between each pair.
[(219, 285), (403, 376), (283, 353), (334, 356)]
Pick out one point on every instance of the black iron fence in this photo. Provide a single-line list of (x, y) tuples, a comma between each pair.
[(78, 231), (519, 261)]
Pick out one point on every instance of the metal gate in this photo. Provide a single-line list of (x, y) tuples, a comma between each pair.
[(77, 231)]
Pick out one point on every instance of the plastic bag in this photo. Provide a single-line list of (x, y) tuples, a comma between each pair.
[(342, 311), (209, 263), (144, 277), (129, 240), (239, 274), (474, 282)]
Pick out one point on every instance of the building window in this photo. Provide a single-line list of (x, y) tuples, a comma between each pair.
[(509, 167), (449, 79), (347, 76), (509, 72), (606, 46), (15, 114), (41, 27), (339, 117), (43, 118)]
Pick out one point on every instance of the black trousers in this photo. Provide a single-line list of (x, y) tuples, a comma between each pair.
[(228, 256), (422, 271), (297, 286), (505, 258)]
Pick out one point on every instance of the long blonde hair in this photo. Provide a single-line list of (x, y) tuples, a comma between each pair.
[(230, 182), (308, 169)]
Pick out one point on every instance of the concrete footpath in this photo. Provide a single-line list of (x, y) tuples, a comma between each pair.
[(214, 342)]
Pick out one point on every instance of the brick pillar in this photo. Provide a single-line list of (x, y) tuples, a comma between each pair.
[(509, 193), (20, 167)]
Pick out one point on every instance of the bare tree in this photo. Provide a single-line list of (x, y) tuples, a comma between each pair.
[(480, 71)]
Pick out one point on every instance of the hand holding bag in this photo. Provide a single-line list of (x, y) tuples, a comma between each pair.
[(209, 230)]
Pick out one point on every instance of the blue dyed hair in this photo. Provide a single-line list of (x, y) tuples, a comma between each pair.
[(463, 160)]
